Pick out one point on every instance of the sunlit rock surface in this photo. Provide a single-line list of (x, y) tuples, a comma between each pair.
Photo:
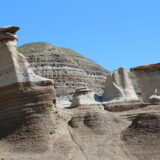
[(68, 69), (26, 101), (149, 79), (84, 96), (32, 128), (118, 86)]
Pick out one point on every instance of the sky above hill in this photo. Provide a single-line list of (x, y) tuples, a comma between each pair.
[(113, 33)]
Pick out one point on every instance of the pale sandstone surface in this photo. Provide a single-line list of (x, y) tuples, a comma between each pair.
[(32, 128), (84, 96), (136, 84), (13, 65), (26, 101), (149, 79), (118, 86)]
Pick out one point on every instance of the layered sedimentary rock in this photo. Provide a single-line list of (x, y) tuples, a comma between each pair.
[(90, 133), (84, 96), (118, 86), (154, 99), (26, 100), (31, 128), (68, 69), (149, 79)]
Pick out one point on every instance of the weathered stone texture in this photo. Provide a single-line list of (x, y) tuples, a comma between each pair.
[(118, 86), (31, 128), (69, 71), (26, 101), (149, 79), (84, 96)]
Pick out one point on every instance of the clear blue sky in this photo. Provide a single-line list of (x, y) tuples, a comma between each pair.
[(113, 33)]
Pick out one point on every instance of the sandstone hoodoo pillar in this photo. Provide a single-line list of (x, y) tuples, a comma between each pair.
[(118, 86), (149, 78), (26, 100), (84, 96)]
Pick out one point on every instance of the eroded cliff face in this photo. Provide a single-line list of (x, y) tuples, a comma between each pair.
[(68, 69), (149, 79), (26, 101)]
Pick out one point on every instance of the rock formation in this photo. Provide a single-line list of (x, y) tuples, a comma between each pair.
[(26, 100), (149, 78), (84, 96), (154, 99), (67, 68), (118, 86), (31, 128), (136, 84)]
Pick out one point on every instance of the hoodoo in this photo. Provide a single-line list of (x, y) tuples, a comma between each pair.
[(26, 100), (149, 78), (118, 86), (84, 96)]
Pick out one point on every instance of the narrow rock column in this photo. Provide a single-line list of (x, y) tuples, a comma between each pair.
[(26, 100), (118, 86), (149, 78)]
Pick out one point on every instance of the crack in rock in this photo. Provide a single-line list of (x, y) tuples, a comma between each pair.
[(81, 150)]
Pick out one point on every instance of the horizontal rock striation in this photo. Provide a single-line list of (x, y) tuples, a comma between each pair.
[(32, 128), (149, 79), (68, 69), (26, 100), (25, 115)]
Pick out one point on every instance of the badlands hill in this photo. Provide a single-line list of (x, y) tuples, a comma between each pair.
[(68, 69)]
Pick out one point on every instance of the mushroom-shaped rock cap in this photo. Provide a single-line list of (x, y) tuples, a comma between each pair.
[(8, 32), (11, 29), (84, 96), (84, 89)]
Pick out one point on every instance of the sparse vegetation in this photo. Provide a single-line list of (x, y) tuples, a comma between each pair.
[(34, 47), (69, 51), (38, 46)]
